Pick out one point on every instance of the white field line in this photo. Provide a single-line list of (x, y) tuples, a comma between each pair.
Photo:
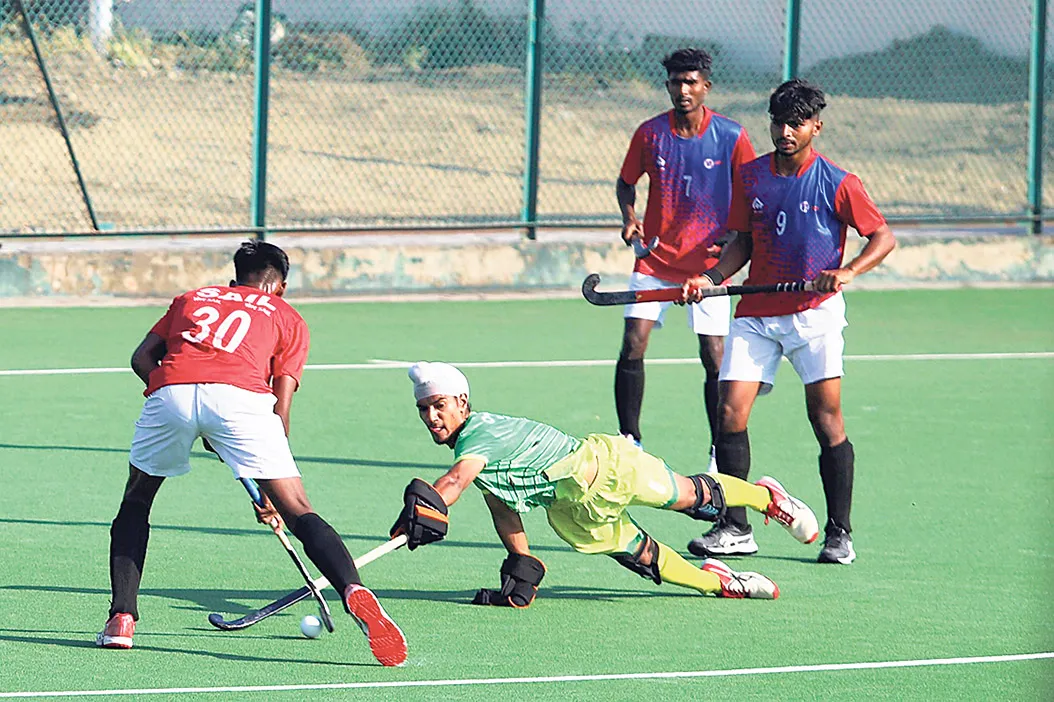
[(388, 364), (820, 668)]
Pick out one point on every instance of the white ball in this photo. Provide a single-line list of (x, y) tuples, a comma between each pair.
[(311, 627)]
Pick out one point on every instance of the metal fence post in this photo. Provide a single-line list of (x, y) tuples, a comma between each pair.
[(1037, 61), (791, 39), (53, 98), (533, 114), (262, 81)]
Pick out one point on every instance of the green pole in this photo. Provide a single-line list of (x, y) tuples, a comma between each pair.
[(534, 114), (1035, 116), (53, 98), (262, 81), (792, 39)]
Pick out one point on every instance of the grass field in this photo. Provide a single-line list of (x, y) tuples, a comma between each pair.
[(947, 399)]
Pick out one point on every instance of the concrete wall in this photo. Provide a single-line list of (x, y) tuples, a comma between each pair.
[(101, 269)]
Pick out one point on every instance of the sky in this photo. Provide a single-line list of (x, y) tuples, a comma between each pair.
[(750, 32)]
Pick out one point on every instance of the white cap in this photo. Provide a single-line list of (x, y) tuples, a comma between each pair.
[(437, 379)]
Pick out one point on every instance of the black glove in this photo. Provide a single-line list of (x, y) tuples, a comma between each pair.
[(424, 516), (520, 576)]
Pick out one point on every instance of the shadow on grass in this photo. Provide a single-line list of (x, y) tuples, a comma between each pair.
[(370, 540), (233, 603), (88, 641), (324, 460)]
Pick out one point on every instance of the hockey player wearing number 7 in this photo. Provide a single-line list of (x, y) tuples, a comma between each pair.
[(223, 364), (584, 485), (791, 209)]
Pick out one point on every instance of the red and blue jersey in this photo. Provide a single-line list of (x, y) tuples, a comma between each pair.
[(798, 225), (689, 191)]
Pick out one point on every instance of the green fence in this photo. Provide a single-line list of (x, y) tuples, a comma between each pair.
[(153, 115)]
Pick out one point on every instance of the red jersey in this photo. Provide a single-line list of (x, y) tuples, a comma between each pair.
[(237, 336), (689, 190), (798, 225)]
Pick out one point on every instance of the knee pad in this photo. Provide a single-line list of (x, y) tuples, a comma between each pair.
[(632, 562), (715, 508)]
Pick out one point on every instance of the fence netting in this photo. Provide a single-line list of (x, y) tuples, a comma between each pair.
[(407, 114)]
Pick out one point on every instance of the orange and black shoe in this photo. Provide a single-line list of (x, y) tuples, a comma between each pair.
[(118, 632), (386, 638)]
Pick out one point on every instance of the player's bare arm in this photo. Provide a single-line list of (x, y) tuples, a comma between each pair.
[(508, 525), (632, 228), (148, 355), (283, 387), (734, 256), (879, 245), (458, 478)]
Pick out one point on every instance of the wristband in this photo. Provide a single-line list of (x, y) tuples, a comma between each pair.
[(715, 276)]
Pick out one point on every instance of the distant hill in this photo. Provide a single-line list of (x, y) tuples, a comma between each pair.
[(938, 66)]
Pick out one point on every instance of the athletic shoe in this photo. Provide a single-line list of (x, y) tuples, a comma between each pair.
[(724, 539), (386, 638), (632, 439), (837, 546), (793, 514), (747, 584), (118, 632), (711, 468)]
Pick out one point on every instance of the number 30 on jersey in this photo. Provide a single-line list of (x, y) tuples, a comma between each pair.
[(228, 335)]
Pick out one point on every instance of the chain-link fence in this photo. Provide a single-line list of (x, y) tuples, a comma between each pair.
[(413, 113)]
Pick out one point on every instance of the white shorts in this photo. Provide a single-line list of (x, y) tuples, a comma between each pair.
[(708, 317), (811, 340), (241, 426)]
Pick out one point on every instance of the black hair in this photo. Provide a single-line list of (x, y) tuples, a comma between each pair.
[(796, 101), (685, 60), (255, 258)]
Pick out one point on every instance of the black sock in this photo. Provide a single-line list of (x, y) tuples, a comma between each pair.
[(710, 389), (129, 534), (323, 546), (836, 472), (733, 458), (629, 395)]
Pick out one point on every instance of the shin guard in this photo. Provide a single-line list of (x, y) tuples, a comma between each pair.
[(323, 547), (129, 534), (629, 395), (733, 458), (837, 465)]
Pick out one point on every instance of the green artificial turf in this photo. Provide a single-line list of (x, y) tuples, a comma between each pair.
[(952, 515)]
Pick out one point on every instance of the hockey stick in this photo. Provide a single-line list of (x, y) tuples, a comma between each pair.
[(323, 607), (642, 250), (626, 297), (303, 593)]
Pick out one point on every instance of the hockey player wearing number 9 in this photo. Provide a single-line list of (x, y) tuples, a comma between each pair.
[(584, 485), (223, 364), (791, 209)]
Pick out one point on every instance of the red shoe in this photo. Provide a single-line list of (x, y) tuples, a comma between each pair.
[(793, 514), (744, 584), (386, 638), (118, 632)]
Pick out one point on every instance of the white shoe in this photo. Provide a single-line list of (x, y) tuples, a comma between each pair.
[(745, 584), (790, 512), (724, 540)]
